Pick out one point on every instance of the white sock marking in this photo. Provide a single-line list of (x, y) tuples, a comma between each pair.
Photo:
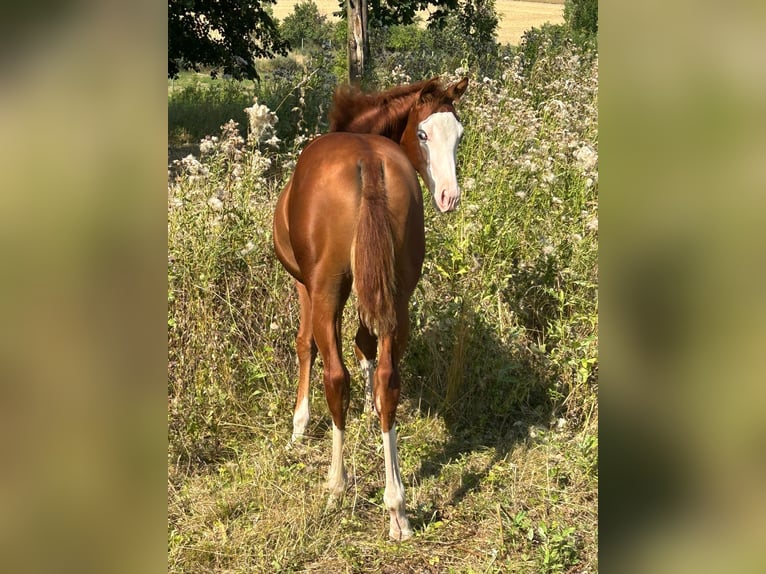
[(336, 477), (393, 497), (300, 419), (368, 368)]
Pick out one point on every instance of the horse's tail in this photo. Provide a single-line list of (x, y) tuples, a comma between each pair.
[(372, 256)]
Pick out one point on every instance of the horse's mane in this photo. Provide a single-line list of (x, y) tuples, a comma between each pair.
[(383, 113)]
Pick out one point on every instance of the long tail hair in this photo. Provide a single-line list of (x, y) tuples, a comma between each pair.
[(372, 257)]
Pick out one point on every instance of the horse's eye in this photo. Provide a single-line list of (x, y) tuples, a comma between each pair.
[(422, 136)]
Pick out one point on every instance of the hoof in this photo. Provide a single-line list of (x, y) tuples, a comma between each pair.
[(334, 501), (400, 535), (295, 441), (337, 486), (400, 529)]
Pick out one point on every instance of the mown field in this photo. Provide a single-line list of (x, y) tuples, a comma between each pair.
[(516, 16), (498, 420)]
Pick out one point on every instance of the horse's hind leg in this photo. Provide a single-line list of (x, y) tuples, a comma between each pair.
[(307, 351), (386, 396), (326, 321), (366, 348)]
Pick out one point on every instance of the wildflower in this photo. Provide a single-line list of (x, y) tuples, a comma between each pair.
[(260, 118), (577, 237), (530, 166), (206, 146), (273, 141), (249, 246), (557, 200), (548, 250), (592, 224), (521, 194), (195, 170), (586, 158), (556, 103), (192, 165), (468, 183), (300, 139), (215, 203)]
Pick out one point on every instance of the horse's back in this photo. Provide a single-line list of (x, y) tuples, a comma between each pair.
[(317, 214)]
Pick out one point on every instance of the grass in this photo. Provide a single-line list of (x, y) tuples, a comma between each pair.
[(197, 104), (510, 508), (498, 421)]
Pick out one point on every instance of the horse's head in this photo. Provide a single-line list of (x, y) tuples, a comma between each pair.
[(431, 138)]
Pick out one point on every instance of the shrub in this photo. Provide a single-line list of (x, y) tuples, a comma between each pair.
[(409, 39), (305, 27), (199, 109), (582, 18), (547, 40), (477, 19), (300, 94), (465, 37)]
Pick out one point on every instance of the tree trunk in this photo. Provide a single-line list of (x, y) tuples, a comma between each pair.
[(358, 42)]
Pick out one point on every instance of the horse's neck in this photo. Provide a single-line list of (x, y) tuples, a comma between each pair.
[(408, 141), (387, 121), (384, 115), (394, 109)]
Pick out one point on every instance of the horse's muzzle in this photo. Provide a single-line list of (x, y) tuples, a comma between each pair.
[(447, 201)]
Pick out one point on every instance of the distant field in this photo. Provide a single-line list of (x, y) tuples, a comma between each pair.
[(515, 16)]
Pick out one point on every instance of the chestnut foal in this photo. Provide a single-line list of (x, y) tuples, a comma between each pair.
[(351, 217)]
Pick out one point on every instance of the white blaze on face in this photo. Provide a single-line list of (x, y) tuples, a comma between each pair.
[(439, 135)]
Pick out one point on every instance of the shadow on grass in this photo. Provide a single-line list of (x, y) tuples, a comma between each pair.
[(488, 393)]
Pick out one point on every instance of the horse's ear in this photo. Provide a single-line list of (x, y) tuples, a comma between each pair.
[(454, 91), (430, 90)]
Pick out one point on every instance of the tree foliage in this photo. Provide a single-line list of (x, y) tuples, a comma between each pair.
[(224, 35), (582, 16), (393, 12), (305, 23), (477, 19)]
